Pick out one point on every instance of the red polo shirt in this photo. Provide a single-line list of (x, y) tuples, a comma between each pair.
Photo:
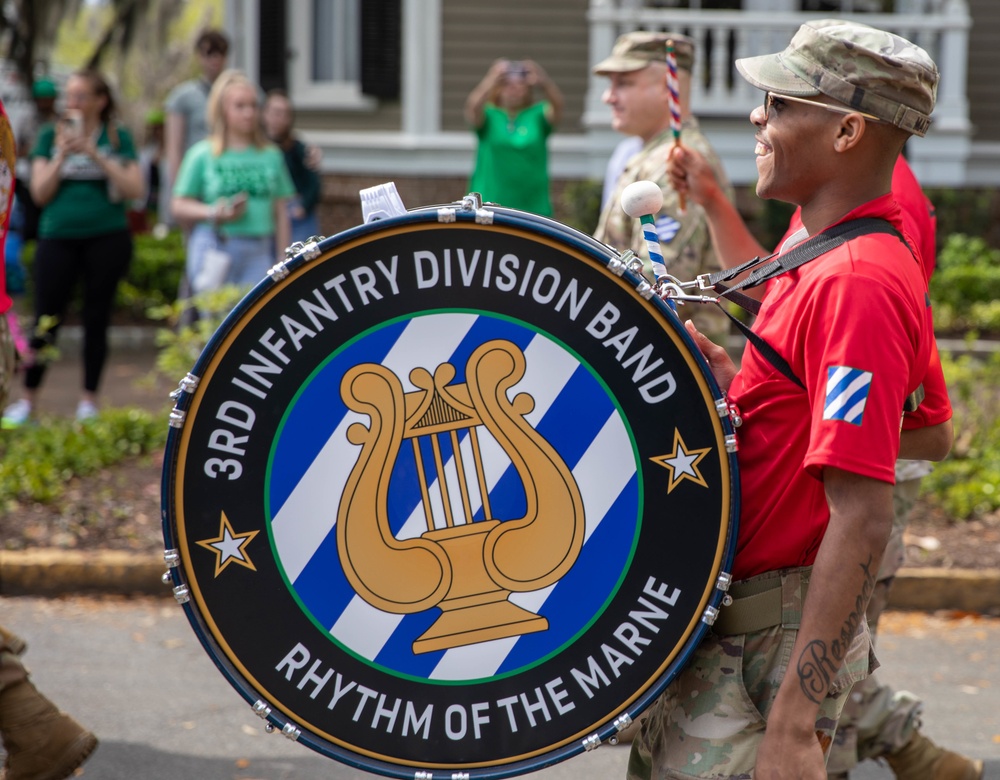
[(855, 326)]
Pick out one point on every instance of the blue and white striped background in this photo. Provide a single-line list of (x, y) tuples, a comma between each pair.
[(311, 460)]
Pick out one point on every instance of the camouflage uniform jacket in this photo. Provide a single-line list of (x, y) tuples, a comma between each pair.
[(690, 251)]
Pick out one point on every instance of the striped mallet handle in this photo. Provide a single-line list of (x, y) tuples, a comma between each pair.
[(641, 200), (673, 88)]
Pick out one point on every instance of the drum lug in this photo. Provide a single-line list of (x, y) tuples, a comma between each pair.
[(446, 214), (261, 710), (484, 217), (709, 616), (724, 580), (290, 731), (617, 265), (472, 202), (182, 594), (621, 723), (731, 444), (187, 385), (645, 289), (308, 249), (172, 559), (278, 271), (423, 776), (727, 408), (592, 742), (177, 418)]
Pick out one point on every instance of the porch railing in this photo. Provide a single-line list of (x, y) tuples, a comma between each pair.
[(939, 26)]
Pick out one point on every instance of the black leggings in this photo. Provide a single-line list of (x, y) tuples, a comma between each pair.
[(101, 262)]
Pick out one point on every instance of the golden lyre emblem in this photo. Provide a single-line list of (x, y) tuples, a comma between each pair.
[(466, 568)]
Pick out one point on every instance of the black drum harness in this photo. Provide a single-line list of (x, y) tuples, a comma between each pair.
[(770, 267)]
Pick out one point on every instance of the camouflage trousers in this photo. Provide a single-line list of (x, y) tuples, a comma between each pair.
[(710, 720), (6, 359), (11, 646), (11, 668), (877, 720)]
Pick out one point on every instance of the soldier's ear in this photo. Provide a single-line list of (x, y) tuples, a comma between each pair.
[(850, 131)]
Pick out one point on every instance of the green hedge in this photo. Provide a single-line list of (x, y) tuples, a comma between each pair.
[(36, 461), (967, 483), (965, 287)]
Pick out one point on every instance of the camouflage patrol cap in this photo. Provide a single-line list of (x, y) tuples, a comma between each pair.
[(636, 50), (867, 69)]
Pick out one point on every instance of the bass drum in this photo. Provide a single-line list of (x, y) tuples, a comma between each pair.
[(450, 494)]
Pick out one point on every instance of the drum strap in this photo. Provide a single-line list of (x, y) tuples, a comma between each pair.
[(767, 268)]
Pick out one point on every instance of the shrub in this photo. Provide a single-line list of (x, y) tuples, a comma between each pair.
[(36, 461), (581, 205), (154, 275), (967, 483), (181, 346), (965, 287)]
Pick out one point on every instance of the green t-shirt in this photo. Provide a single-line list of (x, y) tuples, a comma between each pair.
[(512, 159), (85, 204), (260, 173)]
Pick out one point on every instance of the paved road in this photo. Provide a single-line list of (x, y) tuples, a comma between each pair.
[(136, 674)]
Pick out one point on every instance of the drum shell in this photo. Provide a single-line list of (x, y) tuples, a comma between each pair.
[(265, 635)]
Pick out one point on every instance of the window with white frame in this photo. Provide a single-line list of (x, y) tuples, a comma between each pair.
[(325, 49)]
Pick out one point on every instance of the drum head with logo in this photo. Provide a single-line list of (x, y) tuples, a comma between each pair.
[(450, 497)]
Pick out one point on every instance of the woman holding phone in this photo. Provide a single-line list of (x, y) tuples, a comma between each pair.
[(83, 171), (235, 186), (512, 129)]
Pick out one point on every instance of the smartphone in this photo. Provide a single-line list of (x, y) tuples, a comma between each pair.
[(516, 70), (73, 121)]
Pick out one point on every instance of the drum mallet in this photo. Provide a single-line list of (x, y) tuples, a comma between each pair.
[(641, 200)]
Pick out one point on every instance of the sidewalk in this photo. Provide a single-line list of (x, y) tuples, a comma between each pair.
[(132, 356)]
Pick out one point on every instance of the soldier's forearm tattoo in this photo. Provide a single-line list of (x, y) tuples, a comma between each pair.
[(819, 661)]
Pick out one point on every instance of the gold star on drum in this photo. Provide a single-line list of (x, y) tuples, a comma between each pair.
[(450, 493)]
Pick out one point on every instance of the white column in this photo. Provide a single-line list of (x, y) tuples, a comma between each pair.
[(421, 77), (242, 23), (603, 33), (952, 103)]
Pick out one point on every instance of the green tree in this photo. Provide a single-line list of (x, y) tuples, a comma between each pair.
[(146, 45)]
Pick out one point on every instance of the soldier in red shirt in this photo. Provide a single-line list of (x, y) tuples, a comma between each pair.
[(816, 449)]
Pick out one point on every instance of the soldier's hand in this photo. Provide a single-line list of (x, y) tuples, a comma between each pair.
[(691, 175), (722, 366)]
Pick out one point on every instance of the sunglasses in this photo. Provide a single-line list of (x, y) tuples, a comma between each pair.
[(770, 99)]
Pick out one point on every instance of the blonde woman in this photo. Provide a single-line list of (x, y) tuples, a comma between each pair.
[(235, 186)]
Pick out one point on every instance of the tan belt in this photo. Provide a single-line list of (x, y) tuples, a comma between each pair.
[(760, 602)]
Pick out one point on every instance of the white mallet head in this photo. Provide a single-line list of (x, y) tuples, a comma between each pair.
[(641, 198)]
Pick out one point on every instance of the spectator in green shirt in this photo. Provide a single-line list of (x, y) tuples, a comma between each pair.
[(236, 186), (512, 161), (83, 172)]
